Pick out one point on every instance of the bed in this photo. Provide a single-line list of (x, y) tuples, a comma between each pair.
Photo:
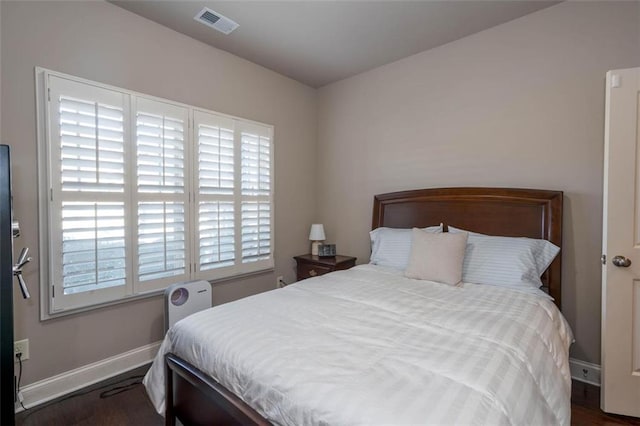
[(370, 346)]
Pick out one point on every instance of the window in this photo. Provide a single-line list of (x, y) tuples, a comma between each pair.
[(144, 192)]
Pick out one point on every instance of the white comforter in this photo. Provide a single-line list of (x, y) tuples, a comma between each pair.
[(368, 346)]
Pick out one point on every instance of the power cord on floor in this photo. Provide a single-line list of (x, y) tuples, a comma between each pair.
[(18, 394), (119, 389), (105, 394)]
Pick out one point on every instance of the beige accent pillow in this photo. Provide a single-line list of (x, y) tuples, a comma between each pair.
[(436, 257)]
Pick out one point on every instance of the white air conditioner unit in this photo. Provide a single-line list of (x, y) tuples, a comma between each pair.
[(184, 299)]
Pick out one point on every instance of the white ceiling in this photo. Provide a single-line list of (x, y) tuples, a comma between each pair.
[(319, 42)]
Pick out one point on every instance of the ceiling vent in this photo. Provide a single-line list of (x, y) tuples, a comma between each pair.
[(216, 21)]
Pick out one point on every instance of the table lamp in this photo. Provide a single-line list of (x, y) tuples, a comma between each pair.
[(316, 235)]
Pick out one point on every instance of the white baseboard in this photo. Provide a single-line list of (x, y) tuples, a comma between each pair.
[(585, 371), (70, 381)]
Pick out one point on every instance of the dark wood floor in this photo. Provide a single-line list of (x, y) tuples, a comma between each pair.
[(585, 408), (87, 408), (132, 407)]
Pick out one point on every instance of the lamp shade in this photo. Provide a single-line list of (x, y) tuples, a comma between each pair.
[(317, 232)]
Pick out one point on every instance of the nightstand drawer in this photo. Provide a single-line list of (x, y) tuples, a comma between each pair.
[(310, 271), (310, 266)]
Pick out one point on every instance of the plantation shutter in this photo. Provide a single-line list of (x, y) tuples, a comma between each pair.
[(161, 193), (234, 196), (215, 183), (256, 195), (143, 193), (88, 194)]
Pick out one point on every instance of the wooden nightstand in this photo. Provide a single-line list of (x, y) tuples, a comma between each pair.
[(312, 266)]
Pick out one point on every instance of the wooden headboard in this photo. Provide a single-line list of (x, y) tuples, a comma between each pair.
[(506, 212)]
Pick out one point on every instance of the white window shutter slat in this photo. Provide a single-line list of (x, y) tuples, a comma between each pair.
[(93, 246), (256, 164), (91, 146), (216, 235), (256, 231), (160, 153), (215, 141), (161, 240)]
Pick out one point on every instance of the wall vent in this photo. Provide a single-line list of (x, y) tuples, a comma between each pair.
[(216, 21)]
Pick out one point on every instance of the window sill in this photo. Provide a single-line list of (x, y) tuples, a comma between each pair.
[(49, 316)]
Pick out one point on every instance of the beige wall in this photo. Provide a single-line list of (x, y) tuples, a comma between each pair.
[(105, 43), (518, 105)]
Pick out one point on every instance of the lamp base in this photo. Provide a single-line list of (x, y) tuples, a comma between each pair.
[(314, 248)]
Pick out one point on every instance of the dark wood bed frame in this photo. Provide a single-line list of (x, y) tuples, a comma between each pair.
[(196, 399)]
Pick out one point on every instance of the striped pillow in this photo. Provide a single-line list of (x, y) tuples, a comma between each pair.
[(506, 261), (391, 247)]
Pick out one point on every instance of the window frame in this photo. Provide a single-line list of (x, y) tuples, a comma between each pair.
[(133, 287)]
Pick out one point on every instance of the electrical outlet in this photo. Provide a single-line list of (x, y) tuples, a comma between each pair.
[(279, 282), (585, 371), (21, 346)]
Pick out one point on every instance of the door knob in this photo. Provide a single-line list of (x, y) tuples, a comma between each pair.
[(621, 261)]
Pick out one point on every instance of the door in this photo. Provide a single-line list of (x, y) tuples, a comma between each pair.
[(620, 392), (6, 292)]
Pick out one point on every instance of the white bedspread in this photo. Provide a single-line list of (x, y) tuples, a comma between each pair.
[(368, 346)]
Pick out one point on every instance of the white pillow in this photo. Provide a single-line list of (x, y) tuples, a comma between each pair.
[(506, 261), (455, 230), (436, 257), (392, 246)]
